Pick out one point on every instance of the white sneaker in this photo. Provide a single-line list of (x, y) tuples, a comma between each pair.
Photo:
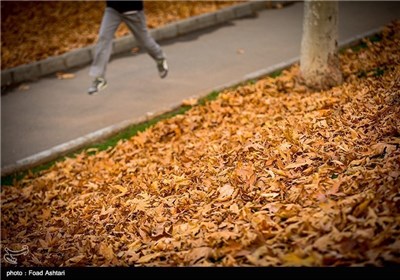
[(98, 85), (162, 68)]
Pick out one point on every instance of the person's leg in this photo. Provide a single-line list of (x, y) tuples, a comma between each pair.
[(137, 24), (110, 22)]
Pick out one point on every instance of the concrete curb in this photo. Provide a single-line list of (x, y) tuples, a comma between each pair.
[(104, 133), (84, 56)]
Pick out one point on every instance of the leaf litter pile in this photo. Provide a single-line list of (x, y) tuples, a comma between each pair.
[(268, 174)]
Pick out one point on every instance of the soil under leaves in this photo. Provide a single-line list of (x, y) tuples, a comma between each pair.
[(268, 174)]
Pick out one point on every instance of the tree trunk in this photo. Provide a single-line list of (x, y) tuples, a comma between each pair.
[(319, 62)]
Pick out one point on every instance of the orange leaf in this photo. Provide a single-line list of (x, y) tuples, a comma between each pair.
[(106, 251)]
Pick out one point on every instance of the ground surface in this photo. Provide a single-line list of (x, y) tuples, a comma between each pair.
[(268, 174)]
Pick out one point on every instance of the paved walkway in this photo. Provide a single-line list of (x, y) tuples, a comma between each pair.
[(54, 112)]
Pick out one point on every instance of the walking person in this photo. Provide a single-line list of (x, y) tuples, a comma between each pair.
[(132, 14)]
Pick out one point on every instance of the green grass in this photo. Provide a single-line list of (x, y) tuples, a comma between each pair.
[(276, 73), (363, 44), (108, 143), (379, 72), (123, 135), (375, 72), (135, 129)]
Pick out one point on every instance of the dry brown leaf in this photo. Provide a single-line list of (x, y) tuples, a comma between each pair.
[(106, 251), (225, 192), (223, 235), (76, 259), (380, 148), (299, 164), (196, 254), (120, 188), (234, 208), (65, 76), (46, 213), (190, 101), (322, 243), (23, 87), (148, 257), (265, 169)]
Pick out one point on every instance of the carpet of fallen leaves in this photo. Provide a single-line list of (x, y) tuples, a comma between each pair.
[(268, 174), (35, 30)]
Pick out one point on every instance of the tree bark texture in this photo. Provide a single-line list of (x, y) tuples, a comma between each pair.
[(319, 62)]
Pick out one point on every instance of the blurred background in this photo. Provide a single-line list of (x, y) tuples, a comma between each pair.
[(35, 30)]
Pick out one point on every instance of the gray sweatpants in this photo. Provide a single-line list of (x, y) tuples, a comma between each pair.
[(111, 20)]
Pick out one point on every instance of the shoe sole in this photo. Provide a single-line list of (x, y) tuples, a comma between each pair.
[(163, 76)]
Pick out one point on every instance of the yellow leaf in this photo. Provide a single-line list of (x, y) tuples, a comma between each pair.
[(294, 260)]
